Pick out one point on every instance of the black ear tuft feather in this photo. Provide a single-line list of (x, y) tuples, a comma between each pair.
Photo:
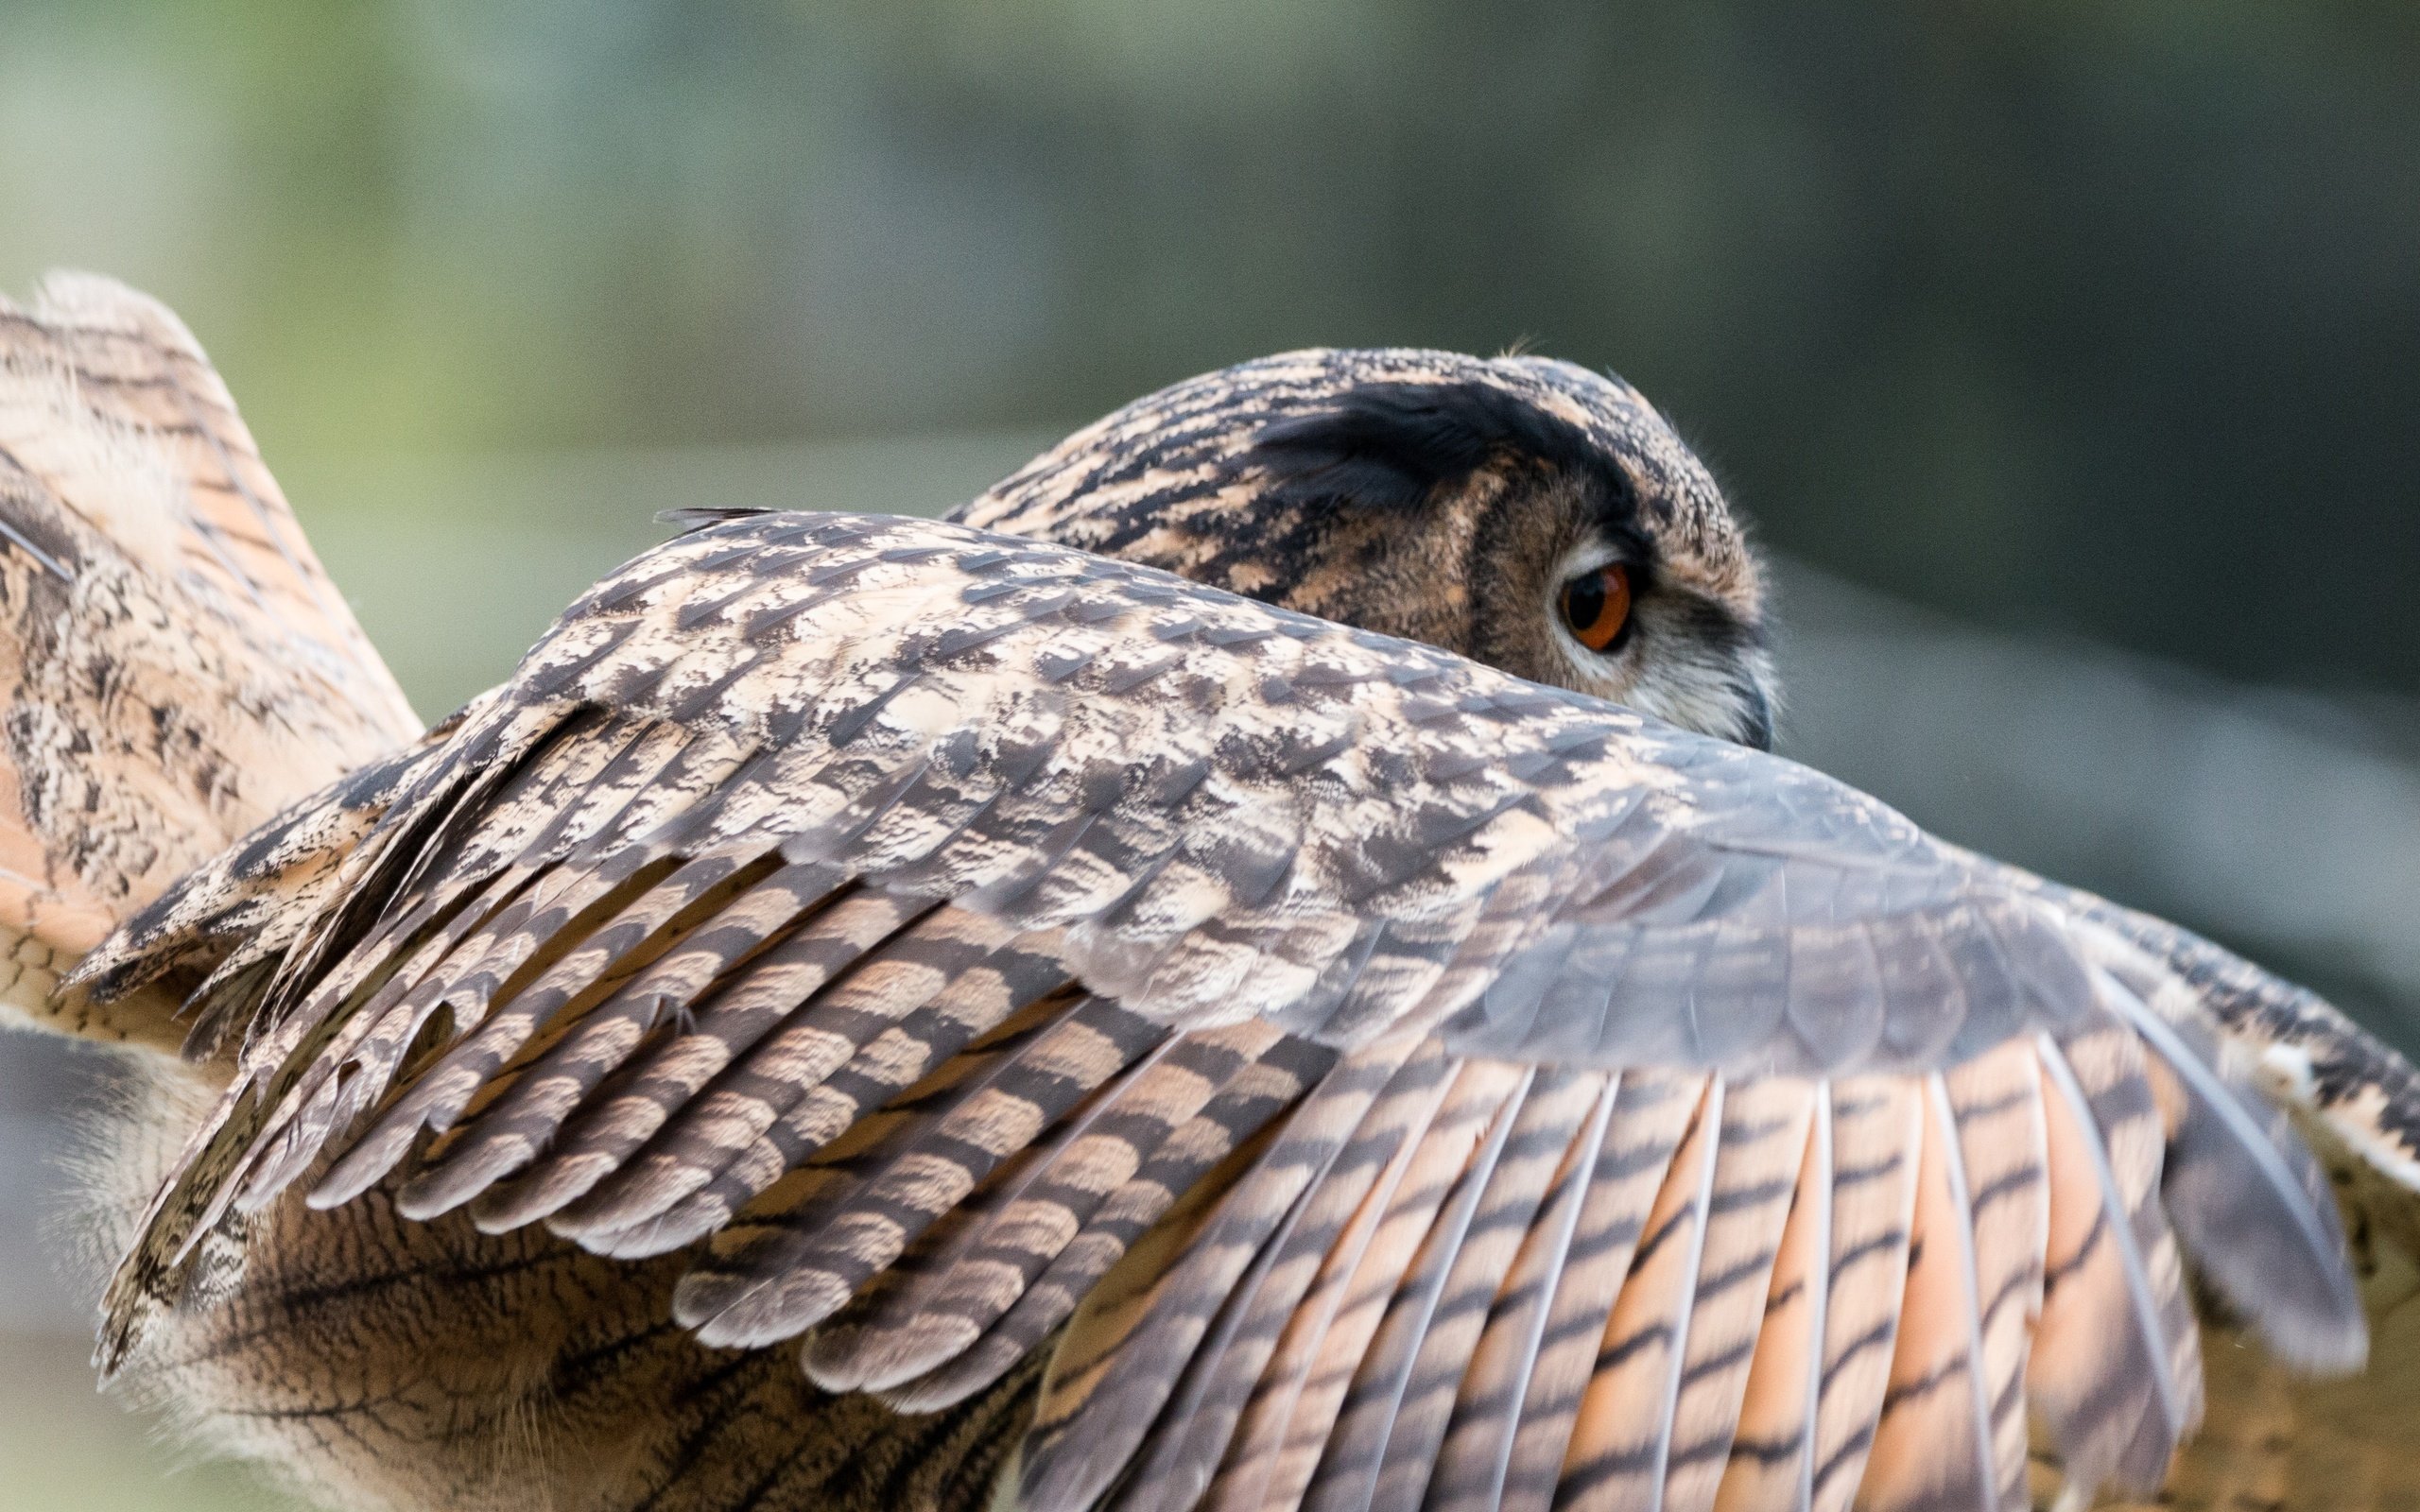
[(694, 520), (1394, 445)]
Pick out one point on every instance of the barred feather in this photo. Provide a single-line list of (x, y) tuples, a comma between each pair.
[(1764, 1137), (1620, 1445), (918, 918), (1404, 1396), (1495, 1397), (1354, 1321), (1182, 1170), (931, 1310), (2115, 1370), (1772, 1462), (1120, 1366)]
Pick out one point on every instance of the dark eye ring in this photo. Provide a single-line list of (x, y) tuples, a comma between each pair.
[(1596, 607)]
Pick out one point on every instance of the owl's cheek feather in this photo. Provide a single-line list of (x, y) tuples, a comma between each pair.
[(1709, 697)]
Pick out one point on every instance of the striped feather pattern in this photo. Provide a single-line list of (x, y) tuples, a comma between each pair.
[(2116, 1371), (175, 665), (1404, 1396), (773, 1280), (1930, 1447), (1878, 1135), (720, 1028), (931, 1309), (1373, 1298), (1184, 1165), (955, 943), (1822, 1294), (1495, 1397), (1326, 1227), (1621, 1438), (1996, 1102), (1475, 1457), (870, 1036), (1652, 1113), (1764, 1134), (1772, 1461), (1121, 1364)]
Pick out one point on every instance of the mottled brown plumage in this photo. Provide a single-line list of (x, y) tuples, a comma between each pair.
[(149, 554), (1290, 1066), (1432, 497)]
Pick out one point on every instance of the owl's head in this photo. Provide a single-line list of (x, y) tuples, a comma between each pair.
[(1519, 510)]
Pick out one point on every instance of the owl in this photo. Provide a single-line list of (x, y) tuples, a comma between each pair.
[(1264, 964)]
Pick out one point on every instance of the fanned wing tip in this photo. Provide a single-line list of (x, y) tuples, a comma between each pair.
[(2253, 1208), (2116, 1368), (175, 665)]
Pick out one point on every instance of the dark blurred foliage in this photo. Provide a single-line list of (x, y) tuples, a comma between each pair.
[(2091, 316)]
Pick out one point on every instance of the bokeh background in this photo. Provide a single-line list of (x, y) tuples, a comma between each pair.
[(2064, 353)]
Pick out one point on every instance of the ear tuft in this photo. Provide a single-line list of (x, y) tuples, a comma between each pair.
[(694, 520)]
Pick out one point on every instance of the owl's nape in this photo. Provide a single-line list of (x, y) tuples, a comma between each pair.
[(1524, 512)]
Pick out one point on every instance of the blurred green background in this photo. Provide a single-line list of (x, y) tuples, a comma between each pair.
[(2067, 351)]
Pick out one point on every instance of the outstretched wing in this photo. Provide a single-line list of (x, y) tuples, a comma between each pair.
[(2271, 1436), (175, 667), (1396, 1081)]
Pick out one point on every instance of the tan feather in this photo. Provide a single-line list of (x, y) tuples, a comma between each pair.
[(935, 1308), (889, 1023), (1621, 1439), (150, 566), (2116, 1368), (1879, 1127), (1407, 1240), (1763, 1150), (1120, 1366), (1997, 1102), (1404, 1396), (1220, 1379), (715, 1025), (1179, 1173), (1931, 1445), (1475, 1458), (1771, 1460), (580, 1051), (768, 1281), (1651, 1114)]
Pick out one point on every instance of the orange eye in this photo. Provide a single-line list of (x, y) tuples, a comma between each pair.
[(1596, 606)]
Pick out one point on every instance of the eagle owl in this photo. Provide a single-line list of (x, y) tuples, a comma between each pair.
[(1263, 966)]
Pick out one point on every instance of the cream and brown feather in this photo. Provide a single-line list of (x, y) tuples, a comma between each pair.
[(1136, 811), (1365, 1077), (149, 556)]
